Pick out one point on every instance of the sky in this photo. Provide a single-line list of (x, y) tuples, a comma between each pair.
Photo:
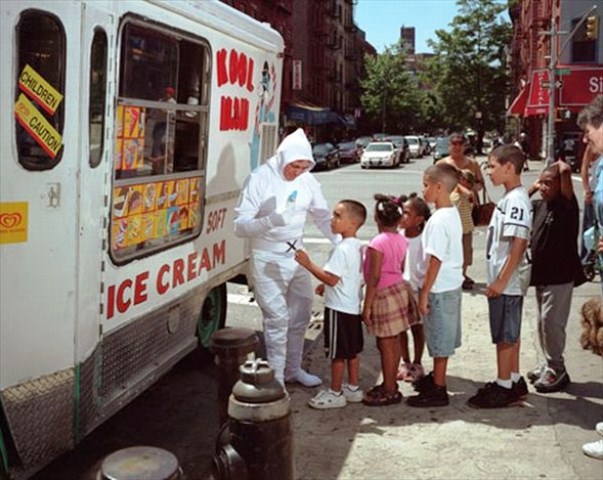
[(382, 19)]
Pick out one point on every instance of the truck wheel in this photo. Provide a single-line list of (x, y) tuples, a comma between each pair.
[(212, 316)]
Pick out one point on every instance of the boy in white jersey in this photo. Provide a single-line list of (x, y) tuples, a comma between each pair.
[(342, 289), (508, 235)]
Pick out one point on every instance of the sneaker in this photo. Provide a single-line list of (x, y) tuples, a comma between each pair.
[(492, 395), (417, 371), (594, 449), (551, 381), (520, 389), (535, 373), (432, 397), (599, 428), (352, 396), (424, 383), (326, 399), (304, 378), (403, 371)]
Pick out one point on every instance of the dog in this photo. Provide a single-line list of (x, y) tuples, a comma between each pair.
[(592, 326)]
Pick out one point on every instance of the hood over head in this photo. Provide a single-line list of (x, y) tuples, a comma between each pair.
[(294, 146)]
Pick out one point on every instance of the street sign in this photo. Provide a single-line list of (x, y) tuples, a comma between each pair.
[(563, 71), (558, 83)]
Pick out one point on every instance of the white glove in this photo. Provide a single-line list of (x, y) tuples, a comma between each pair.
[(281, 219)]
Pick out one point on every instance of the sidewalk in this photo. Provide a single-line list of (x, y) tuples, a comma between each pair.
[(541, 439)]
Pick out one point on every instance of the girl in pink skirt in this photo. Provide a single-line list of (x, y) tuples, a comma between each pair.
[(387, 304)]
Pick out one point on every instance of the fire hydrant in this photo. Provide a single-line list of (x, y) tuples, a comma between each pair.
[(232, 347), (258, 442)]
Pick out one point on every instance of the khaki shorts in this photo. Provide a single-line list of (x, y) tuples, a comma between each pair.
[(467, 249)]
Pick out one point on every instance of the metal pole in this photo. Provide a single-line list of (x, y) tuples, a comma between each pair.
[(550, 150), (383, 113)]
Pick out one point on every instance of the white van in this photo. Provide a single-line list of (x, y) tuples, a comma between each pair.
[(128, 129)]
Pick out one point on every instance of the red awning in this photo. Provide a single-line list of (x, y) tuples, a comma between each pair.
[(538, 98), (519, 104), (581, 86)]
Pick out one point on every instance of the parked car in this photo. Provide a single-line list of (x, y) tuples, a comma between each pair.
[(402, 145), (432, 143), (442, 149), (380, 154), (348, 152), (362, 142), (326, 156), (379, 137), (414, 146)]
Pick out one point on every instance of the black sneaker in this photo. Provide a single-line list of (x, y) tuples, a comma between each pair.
[(520, 389), (552, 381), (492, 396), (432, 397), (424, 383)]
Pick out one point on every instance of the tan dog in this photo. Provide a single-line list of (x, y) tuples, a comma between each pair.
[(592, 326)]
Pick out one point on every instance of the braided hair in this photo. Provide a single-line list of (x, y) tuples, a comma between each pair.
[(418, 205), (387, 210)]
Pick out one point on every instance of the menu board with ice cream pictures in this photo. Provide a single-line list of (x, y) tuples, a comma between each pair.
[(129, 153), (155, 211)]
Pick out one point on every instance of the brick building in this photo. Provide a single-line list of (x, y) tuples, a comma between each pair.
[(323, 61), (578, 66)]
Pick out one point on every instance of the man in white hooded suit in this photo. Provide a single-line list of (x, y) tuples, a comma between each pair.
[(272, 212)]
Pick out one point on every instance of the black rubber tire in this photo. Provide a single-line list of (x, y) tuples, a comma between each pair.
[(212, 316)]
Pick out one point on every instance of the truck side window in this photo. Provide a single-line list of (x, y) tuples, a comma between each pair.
[(98, 85), (40, 86), (161, 139)]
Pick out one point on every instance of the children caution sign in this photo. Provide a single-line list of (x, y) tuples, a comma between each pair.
[(32, 120), (42, 92)]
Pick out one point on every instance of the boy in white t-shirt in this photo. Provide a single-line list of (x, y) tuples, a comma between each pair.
[(507, 240), (440, 296), (342, 289)]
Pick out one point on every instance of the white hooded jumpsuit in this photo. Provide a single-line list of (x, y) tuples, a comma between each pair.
[(283, 289)]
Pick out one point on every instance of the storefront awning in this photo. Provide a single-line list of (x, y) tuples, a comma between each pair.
[(580, 86), (518, 106), (309, 114)]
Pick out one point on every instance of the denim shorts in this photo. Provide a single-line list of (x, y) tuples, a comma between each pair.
[(442, 324), (505, 318)]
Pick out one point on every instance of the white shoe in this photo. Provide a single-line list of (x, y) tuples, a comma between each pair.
[(352, 396), (328, 399), (304, 378), (594, 449), (599, 428)]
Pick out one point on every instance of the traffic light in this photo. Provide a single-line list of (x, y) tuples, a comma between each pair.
[(592, 27)]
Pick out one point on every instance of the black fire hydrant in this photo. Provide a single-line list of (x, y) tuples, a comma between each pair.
[(232, 348), (257, 443)]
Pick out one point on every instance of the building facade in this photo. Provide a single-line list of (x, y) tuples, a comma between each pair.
[(578, 67), (323, 62)]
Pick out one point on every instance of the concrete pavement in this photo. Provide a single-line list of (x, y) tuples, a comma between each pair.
[(540, 439)]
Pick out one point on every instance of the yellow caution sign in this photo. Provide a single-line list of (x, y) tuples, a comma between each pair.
[(42, 92), (13, 222), (32, 120)]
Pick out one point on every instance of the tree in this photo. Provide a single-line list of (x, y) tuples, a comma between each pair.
[(468, 70), (390, 97)]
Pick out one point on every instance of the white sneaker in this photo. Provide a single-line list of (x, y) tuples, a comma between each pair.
[(327, 399), (304, 378), (594, 449), (599, 428), (352, 396)]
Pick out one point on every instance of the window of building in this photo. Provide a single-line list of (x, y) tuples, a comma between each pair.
[(39, 111), (98, 84), (161, 140)]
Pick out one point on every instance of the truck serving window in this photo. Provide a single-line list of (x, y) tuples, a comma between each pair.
[(39, 90), (160, 145), (98, 82)]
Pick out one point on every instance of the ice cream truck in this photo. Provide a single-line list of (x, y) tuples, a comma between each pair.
[(128, 129)]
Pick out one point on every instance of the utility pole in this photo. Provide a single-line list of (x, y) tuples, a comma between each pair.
[(550, 139)]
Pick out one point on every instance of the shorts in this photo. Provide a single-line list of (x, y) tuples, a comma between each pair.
[(414, 317), (442, 325), (505, 318), (342, 334), (467, 249), (391, 310)]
